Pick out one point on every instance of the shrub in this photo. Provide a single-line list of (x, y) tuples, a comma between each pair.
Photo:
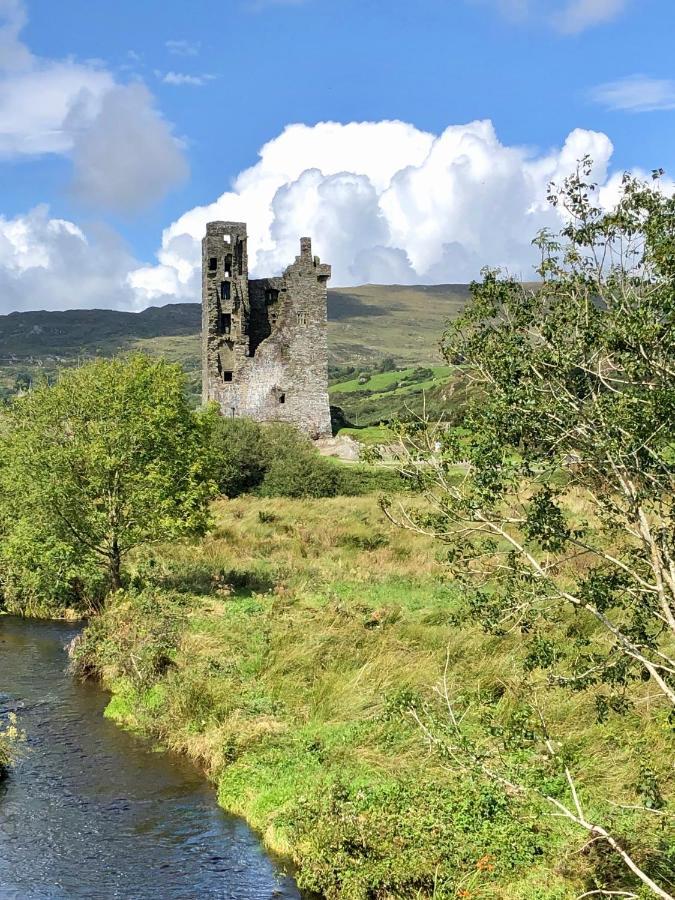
[(277, 461), (294, 468), (239, 459)]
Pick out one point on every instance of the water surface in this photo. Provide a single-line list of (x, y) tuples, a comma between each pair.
[(90, 811)]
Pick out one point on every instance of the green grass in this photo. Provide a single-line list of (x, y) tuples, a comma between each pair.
[(377, 382), (398, 394), (284, 652), (371, 322), (369, 435)]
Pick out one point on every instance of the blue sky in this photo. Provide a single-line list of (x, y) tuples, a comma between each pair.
[(165, 104)]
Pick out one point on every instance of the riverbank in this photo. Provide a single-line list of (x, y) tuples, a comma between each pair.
[(89, 810), (287, 654)]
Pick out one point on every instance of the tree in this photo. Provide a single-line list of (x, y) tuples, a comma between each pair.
[(557, 495), (108, 458)]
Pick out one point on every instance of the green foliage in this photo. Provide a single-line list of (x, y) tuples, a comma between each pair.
[(239, 458), (396, 838), (43, 572), (293, 468), (301, 474), (277, 461), (106, 459), (565, 516), (570, 454)]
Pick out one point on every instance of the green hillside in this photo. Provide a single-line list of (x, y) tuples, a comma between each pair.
[(366, 325), (369, 323)]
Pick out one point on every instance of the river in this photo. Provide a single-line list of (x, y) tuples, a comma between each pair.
[(91, 811)]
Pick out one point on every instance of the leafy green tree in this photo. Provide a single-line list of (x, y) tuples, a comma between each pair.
[(556, 500), (108, 458)]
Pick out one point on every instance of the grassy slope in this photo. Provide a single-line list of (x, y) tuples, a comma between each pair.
[(283, 651), (388, 395), (365, 324), (374, 321)]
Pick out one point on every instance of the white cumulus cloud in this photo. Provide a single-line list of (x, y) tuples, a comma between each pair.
[(36, 104), (48, 263), (384, 202), (125, 155)]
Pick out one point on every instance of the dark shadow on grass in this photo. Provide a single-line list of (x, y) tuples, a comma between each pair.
[(345, 306), (203, 580)]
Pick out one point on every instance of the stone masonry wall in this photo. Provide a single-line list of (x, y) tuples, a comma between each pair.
[(264, 341)]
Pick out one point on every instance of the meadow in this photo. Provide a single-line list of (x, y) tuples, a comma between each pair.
[(290, 652)]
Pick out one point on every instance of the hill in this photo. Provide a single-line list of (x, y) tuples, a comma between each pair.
[(366, 324)]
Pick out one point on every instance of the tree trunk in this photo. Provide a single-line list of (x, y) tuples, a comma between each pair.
[(115, 571)]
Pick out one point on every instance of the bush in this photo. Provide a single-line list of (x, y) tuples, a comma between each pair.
[(293, 468), (239, 459), (271, 460), (277, 461)]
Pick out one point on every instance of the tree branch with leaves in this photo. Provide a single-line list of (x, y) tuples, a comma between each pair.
[(556, 497)]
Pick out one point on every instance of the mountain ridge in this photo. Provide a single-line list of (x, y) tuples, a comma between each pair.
[(366, 323)]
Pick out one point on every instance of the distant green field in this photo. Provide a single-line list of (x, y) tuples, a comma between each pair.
[(381, 380), (369, 400), (370, 435)]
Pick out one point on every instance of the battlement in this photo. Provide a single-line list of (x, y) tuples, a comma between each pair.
[(264, 346)]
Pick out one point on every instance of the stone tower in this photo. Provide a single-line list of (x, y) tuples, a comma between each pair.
[(264, 346)]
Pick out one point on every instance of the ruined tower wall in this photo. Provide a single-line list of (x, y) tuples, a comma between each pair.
[(225, 305), (271, 365)]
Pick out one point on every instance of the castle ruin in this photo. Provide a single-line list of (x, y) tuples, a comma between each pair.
[(264, 344)]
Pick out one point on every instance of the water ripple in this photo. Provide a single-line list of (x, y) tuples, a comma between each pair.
[(91, 812)]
